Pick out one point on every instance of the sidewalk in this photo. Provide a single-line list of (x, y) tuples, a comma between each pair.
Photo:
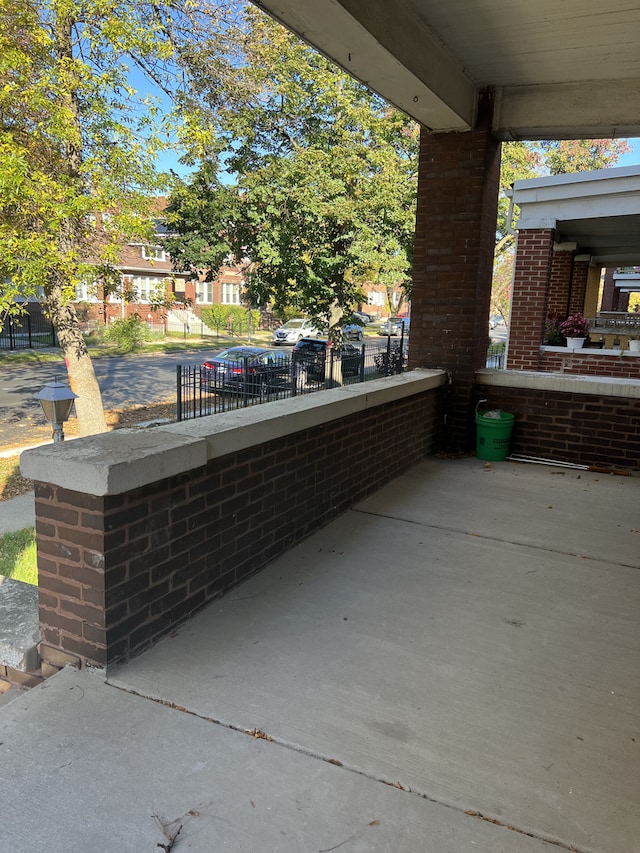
[(450, 666), (19, 627), (17, 513)]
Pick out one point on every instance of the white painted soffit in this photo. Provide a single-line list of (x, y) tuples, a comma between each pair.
[(579, 196), (559, 70), (598, 211), (392, 54)]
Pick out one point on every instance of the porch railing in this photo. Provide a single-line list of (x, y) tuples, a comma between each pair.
[(202, 391)]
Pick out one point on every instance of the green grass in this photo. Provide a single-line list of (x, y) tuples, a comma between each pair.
[(99, 349), (18, 555)]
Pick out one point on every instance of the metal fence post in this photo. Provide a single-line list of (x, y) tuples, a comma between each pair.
[(245, 384), (179, 392)]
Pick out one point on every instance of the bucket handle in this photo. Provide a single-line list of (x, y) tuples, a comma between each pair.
[(479, 403)]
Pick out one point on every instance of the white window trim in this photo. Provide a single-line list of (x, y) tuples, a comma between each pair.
[(230, 288), (204, 289), (154, 253)]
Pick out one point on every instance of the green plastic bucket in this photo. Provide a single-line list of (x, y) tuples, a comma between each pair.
[(493, 434)]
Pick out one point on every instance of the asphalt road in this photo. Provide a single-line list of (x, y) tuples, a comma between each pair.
[(127, 381)]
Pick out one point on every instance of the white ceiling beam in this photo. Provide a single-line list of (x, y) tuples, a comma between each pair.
[(593, 110), (426, 82)]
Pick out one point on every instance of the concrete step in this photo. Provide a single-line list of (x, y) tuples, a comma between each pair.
[(19, 625)]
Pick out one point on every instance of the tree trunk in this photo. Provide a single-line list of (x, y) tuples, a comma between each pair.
[(333, 366), (82, 377)]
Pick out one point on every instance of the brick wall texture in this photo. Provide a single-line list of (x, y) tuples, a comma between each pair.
[(118, 572), (453, 262), (560, 284), (579, 276), (587, 429), (589, 363), (534, 255)]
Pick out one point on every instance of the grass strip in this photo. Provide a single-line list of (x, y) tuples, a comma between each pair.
[(18, 555)]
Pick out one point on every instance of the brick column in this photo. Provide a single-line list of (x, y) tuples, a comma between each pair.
[(453, 262), (608, 291), (593, 291), (579, 283), (534, 252), (560, 279), (622, 301)]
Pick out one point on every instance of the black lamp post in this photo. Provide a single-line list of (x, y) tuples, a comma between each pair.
[(56, 400)]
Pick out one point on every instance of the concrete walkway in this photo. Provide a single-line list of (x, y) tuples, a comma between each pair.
[(17, 513), (451, 666)]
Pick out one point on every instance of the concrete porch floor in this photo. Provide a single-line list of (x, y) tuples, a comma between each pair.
[(450, 666)]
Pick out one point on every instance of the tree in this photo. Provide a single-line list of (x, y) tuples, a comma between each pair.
[(78, 146), (326, 182)]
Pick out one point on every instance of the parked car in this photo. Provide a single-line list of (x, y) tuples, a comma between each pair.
[(311, 353), (361, 317), (246, 368), (293, 330), (393, 326), (353, 332)]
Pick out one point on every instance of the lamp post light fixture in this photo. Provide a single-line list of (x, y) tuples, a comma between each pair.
[(56, 400)]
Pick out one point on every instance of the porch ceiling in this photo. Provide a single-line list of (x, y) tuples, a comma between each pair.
[(559, 70)]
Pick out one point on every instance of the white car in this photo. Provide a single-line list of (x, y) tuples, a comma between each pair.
[(293, 331), (395, 326)]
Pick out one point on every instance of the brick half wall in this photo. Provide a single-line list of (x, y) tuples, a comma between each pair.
[(117, 572), (599, 429)]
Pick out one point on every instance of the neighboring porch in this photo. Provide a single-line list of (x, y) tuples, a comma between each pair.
[(571, 229)]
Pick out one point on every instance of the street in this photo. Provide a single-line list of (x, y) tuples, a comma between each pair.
[(131, 381), (135, 380)]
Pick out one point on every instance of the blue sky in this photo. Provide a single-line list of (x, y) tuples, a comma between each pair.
[(633, 157), (170, 159)]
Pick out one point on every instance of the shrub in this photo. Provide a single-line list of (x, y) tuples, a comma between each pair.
[(552, 335), (389, 362), (127, 334), (230, 317)]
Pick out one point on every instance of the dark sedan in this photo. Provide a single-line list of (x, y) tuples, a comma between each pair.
[(310, 354), (246, 368)]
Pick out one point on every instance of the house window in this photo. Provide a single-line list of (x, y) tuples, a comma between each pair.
[(153, 253), (230, 293), (86, 292), (204, 291), (376, 298), (148, 288)]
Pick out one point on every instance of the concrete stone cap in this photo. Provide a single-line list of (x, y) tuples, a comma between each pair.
[(117, 462), (19, 626), (237, 430), (604, 386)]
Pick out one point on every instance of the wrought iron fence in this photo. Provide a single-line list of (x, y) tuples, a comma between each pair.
[(495, 356), (235, 384), (27, 331)]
